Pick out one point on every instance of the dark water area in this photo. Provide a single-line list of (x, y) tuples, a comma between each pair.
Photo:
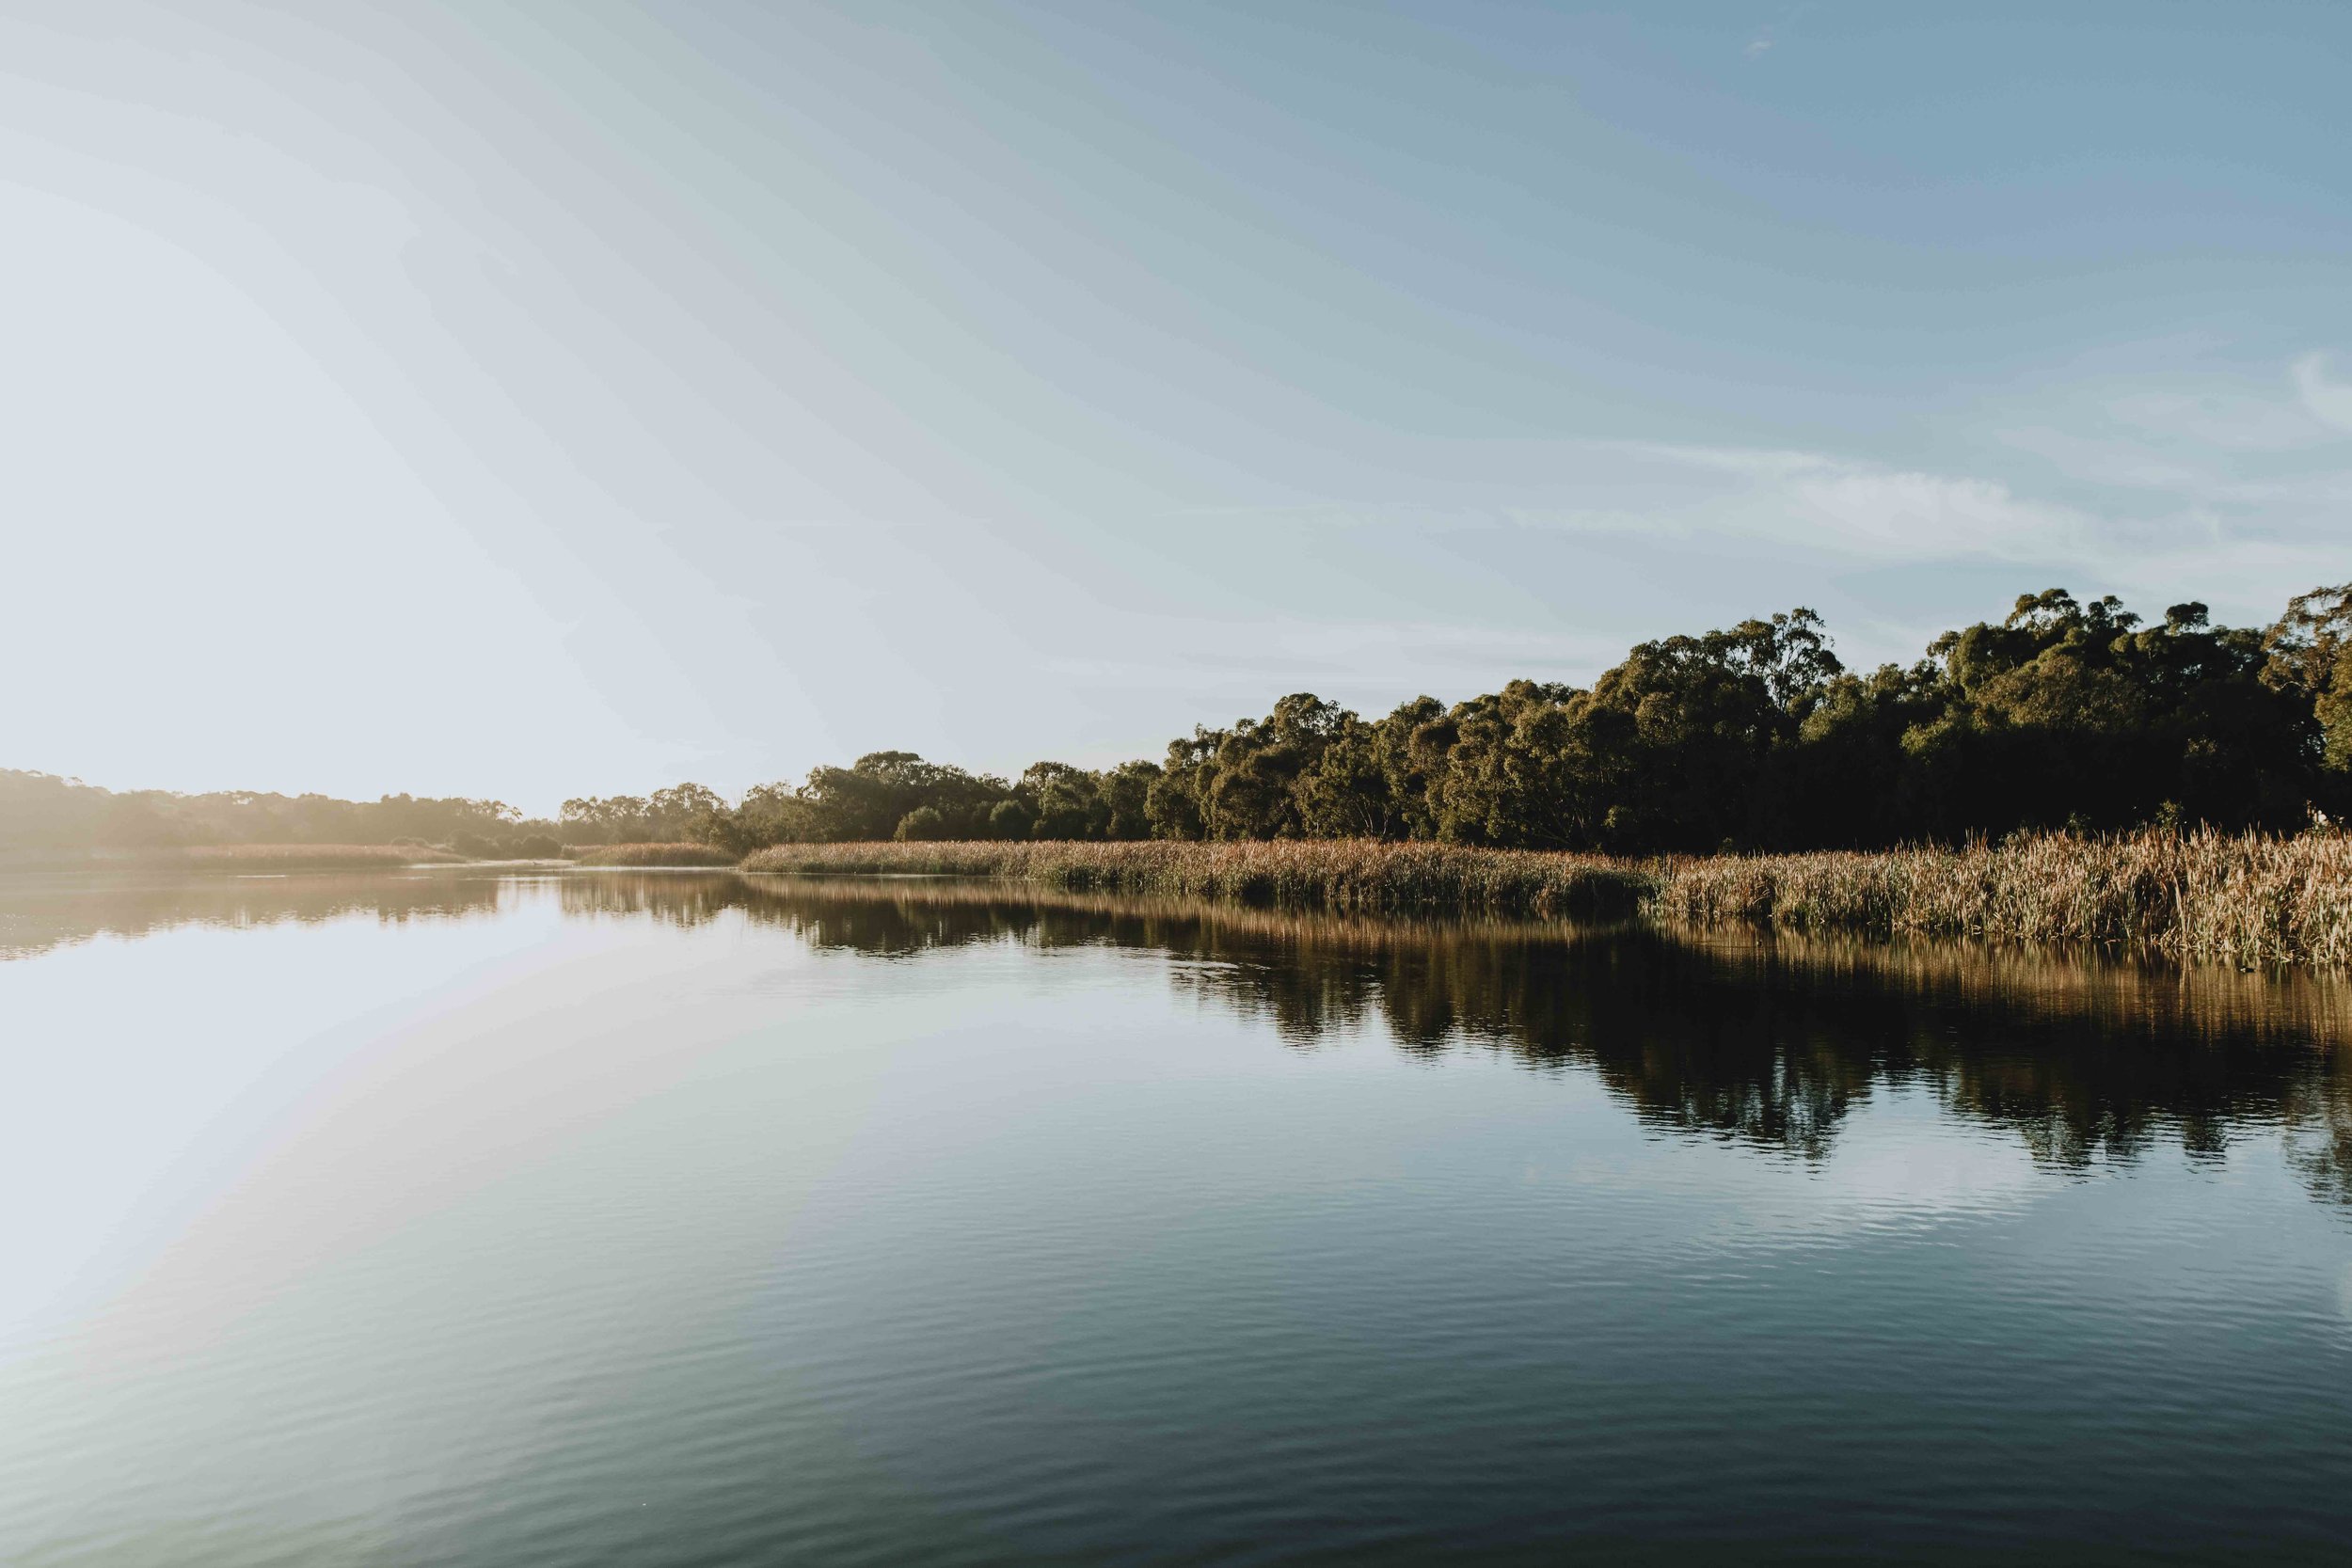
[(678, 1218)]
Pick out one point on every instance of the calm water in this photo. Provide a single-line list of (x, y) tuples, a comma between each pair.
[(684, 1219)]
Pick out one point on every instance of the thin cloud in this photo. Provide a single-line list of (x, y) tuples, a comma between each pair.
[(2328, 401), (1765, 35), (2253, 458), (1823, 503)]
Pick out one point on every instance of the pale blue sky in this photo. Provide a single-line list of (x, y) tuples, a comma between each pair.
[(542, 399)]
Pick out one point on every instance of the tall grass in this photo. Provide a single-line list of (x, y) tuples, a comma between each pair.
[(2246, 900), (653, 855), (2241, 899), (1336, 874)]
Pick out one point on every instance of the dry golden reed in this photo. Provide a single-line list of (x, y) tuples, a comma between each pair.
[(1335, 874), (2208, 896), (2239, 899), (653, 855)]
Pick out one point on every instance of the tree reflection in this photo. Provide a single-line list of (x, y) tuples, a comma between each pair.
[(1768, 1041)]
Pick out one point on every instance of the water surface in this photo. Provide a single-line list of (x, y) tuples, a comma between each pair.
[(691, 1218)]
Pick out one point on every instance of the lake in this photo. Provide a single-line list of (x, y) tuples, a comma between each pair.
[(689, 1218)]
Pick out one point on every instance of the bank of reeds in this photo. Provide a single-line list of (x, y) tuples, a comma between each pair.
[(653, 855), (2202, 896), (2239, 899), (1345, 875)]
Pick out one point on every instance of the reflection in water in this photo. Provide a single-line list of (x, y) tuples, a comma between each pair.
[(41, 911), (1769, 1041)]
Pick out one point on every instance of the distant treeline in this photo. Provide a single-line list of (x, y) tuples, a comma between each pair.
[(41, 811), (2063, 714)]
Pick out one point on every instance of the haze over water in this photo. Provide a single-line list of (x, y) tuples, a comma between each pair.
[(474, 1218)]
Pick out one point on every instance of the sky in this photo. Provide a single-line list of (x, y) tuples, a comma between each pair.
[(539, 400)]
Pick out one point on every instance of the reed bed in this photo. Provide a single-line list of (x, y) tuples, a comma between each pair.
[(1334, 874), (2247, 900), (653, 855)]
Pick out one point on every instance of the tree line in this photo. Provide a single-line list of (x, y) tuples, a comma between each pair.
[(2064, 714)]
